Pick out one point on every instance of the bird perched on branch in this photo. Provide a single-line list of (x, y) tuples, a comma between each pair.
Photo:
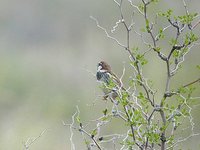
[(110, 82)]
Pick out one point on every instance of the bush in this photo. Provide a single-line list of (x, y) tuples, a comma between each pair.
[(151, 122)]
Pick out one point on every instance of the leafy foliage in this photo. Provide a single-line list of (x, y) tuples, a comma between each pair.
[(151, 121)]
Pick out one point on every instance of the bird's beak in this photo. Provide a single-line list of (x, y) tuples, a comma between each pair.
[(99, 67)]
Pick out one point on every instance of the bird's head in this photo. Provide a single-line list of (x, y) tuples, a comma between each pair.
[(103, 67)]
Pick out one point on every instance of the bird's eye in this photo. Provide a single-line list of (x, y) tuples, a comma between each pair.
[(100, 64)]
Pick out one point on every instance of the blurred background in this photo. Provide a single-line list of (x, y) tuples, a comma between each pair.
[(48, 55)]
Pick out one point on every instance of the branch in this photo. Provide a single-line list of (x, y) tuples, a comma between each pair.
[(193, 82), (149, 30), (71, 129), (138, 9), (132, 128), (182, 58), (31, 141), (182, 140), (107, 34), (196, 24)]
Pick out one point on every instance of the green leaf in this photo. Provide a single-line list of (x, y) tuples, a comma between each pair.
[(130, 134), (187, 19), (78, 119), (138, 77), (140, 139), (140, 96), (182, 90), (141, 7), (135, 49), (140, 58), (163, 128), (147, 25), (166, 14), (190, 37), (176, 53), (161, 34), (94, 132), (173, 41), (87, 142), (157, 49)]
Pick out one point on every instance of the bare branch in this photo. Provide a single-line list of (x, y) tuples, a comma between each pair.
[(196, 24), (137, 8), (193, 82), (116, 25), (71, 131), (107, 34), (183, 140), (31, 141)]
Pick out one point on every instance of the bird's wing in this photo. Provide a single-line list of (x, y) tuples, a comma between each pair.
[(116, 79)]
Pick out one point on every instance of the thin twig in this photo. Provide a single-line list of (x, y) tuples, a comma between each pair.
[(31, 141), (107, 34), (193, 82), (182, 140)]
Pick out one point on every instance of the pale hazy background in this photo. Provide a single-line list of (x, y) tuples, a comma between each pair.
[(47, 50)]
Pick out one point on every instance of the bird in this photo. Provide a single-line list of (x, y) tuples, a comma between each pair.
[(110, 82)]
